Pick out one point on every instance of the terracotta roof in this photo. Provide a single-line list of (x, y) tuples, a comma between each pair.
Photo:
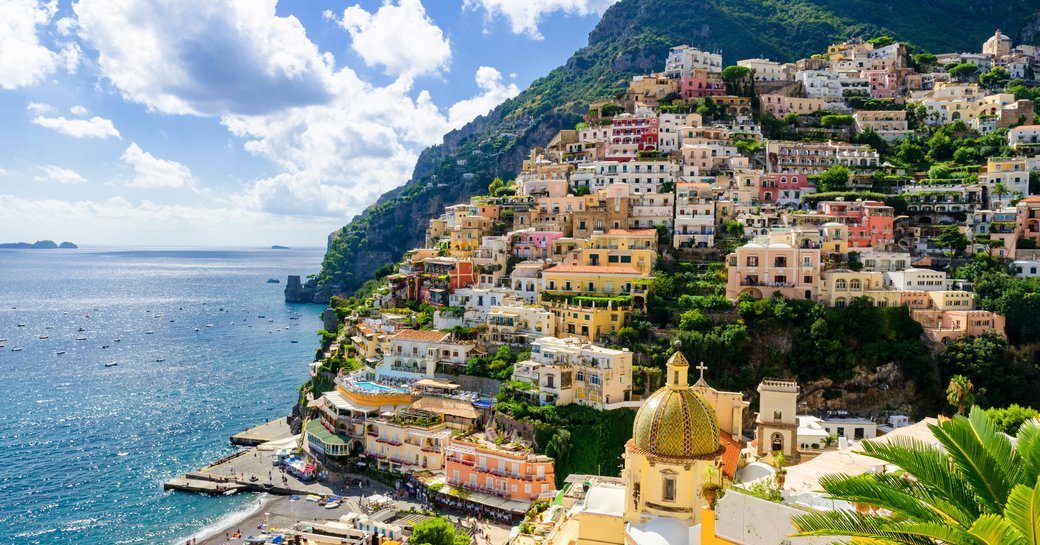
[(731, 456), (420, 335), (634, 232), (593, 269)]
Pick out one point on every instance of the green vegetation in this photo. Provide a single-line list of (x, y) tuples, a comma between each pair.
[(1010, 420), (977, 488), (633, 38), (497, 366), (437, 531)]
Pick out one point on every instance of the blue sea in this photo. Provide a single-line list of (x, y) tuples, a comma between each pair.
[(85, 448)]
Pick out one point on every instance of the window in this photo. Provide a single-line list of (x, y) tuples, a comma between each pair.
[(580, 377), (612, 259), (752, 261), (780, 261), (626, 259), (777, 415), (668, 494), (594, 379)]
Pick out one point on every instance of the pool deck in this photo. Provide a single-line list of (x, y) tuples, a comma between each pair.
[(274, 430)]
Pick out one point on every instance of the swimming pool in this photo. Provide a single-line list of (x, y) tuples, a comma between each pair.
[(377, 388)]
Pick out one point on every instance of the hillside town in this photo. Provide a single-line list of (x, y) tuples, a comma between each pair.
[(864, 176)]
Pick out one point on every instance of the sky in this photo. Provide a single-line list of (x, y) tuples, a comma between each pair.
[(245, 122)]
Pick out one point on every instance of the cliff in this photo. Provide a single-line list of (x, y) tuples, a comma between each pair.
[(634, 37), (38, 245)]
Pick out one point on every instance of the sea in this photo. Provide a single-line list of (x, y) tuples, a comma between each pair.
[(121, 368)]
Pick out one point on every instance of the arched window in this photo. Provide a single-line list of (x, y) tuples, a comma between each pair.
[(777, 415), (854, 284), (840, 284), (777, 442)]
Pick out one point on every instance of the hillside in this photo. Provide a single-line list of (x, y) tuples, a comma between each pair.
[(634, 37)]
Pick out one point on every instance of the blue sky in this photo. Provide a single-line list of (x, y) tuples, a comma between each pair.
[(245, 122)]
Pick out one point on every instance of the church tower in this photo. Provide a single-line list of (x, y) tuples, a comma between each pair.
[(777, 422), (675, 448)]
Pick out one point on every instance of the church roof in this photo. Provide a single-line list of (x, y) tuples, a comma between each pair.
[(676, 422)]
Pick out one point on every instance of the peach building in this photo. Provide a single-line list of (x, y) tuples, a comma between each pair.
[(785, 262), (474, 462)]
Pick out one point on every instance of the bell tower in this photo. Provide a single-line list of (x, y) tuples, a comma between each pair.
[(777, 422)]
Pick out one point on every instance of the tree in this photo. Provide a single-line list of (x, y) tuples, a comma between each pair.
[(964, 71), (495, 185), (1000, 189), (437, 531), (940, 172), (835, 178), (960, 393), (967, 155), (610, 110), (910, 152), (977, 488), (925, 60), (694, 320), (881, 41), (739, 80), (559, 447), (836, 121), (1009, 420), (951, 239), (997, 77)]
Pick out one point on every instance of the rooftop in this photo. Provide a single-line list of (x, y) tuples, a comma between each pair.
[(593, 269), (432, 335)]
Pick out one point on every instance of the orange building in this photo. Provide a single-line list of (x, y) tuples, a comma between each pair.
[(475, 463)]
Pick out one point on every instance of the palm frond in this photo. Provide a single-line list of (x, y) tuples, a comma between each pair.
[(971, 455), (1023, 512), (879, 491), (869, 529), (935, 531), (932, 468), (1028, 448)]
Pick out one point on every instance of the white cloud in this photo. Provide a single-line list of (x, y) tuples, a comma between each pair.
[(152, 172), (24, 60), (39, 108), (53, 173), (78, 110), (489, 80), (400, 38), (65, 25), (95, 127), (204, 58), (525, 15)]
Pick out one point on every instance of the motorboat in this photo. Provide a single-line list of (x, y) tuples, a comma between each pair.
[(81, 338), (111, 364), (44, 337), (16, 349), (60, 352)]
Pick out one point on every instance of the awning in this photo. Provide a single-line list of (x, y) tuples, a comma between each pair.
[(436, 383)]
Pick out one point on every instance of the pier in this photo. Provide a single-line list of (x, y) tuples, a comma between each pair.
[(274, 430)]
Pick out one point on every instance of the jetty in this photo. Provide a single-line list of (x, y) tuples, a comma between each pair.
[(275, 430)]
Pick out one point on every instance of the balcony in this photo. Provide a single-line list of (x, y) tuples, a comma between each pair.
[(388, 441)]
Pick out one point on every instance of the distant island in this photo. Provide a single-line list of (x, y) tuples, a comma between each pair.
[(277, 247), (38, 245)]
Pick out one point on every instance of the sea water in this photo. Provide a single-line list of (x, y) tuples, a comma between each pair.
[(86, 447)]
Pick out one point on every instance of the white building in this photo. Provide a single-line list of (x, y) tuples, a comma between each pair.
[(650, 209), (573, 371), (415, 354), (684, 59), (694, 216), (767, 70), (827, 84)]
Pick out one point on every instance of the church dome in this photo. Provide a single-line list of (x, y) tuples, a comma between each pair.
[(675, 421)]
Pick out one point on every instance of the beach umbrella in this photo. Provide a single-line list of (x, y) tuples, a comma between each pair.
[(277, 539)]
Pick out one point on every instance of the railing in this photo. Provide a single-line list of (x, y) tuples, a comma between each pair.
[(388, 441)]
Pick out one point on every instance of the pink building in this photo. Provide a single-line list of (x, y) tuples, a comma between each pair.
[(475, 463), (631, 134), (534, 244), (700, 85), (869, 223), (883, 84), (944, 326), (782, 188)]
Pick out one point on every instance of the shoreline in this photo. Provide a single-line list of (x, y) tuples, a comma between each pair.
[(230, 522)]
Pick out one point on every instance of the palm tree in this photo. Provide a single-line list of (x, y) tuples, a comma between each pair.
[(976, 489), (960, 393), (999, 189)]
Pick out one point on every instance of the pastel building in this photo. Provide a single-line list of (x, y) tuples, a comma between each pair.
[(700, 84), (781, 105), (684, 59), (816, 157), (694, 216), (476, 463), (529, 243), (785, 262), (888, 124), (571, 370), (406, 440), (784, 189), (767, 70), (414, 354), (519, 325)]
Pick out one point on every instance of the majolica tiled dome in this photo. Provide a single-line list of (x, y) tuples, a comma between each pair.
[(676, 421)]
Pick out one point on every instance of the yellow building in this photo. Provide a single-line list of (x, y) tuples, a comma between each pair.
[(407, 440), (466, 237), (590, 321), (676, 450), (598, 280)]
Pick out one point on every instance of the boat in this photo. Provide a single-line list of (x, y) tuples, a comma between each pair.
[(273, 281), (21, 325), (60, 352), (111, 364), (231, 492), (313, 497), (294, 342), (81, 329), (149, 332), (209, 325), (81, 338), (104, 346), (16, 349), (332, 505), (196, 329), (115, 340), (160, 360), (44, 336), (49, 327)]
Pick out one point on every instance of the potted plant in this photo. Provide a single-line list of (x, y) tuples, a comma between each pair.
[(711, 493), (780, 463)]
